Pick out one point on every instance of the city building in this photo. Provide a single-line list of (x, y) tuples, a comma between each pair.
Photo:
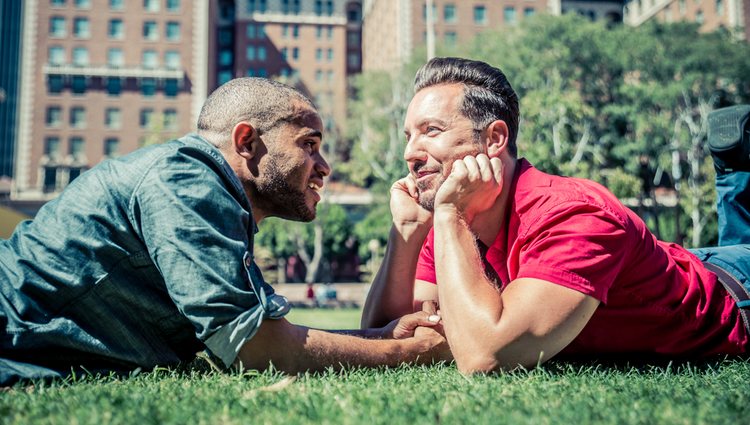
[(100, 78), (11, 13), (393, 29), (710, 14), (311, 44)]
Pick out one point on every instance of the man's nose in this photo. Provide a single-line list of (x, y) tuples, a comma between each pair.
[(321, 166), (414, 151)]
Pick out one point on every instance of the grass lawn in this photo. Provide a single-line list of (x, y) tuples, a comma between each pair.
[(558, 393)]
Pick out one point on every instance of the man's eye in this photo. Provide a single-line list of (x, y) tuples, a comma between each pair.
[(432, 130)]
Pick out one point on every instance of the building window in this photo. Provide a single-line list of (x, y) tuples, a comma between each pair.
[(83, 4), (150, 59), (171, 87), (225, 37), (262, 54), (148, 87), (172, 59), (74, 172), (147, 118), (224, 76), (284, 53), (150, 31), (52, 148), (509, 15), (225, 57), (115, 58), (250, 31), (330, 75), (81, 28), (250, 72), (295, 31), (113, 118), (285, 30), (353, 60), (111, 147), (80, 56), (57, 27), (449, 13), (250, 53), (50, 179), (295, 53), (330, 55), (78, 117), (682, 7), (352, 38), (116, 4), (319, 55), (329, 7), (78, 83), (151, 5), (257, 6), (53, 117), (56, 55), (480, 15), (318, 7), (173, 5), (116, 29), (170, 119), (57, 3), (353, 15), (699, 19), (318, 75), (114, 86), (451, 38), (720, 7), (329, 32), (434, 12), (55, 84), (76, 148), (262, 72), (173, 31), (319, 32), (529, 11)]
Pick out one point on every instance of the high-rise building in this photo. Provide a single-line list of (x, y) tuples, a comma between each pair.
[(100, 78), (710, 14), (311, 44), (11, 13)]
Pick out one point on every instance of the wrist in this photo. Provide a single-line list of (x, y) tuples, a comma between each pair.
[(410, 231)]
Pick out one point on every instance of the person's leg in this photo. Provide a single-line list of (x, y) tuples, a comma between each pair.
[(735, 261), (729, 143)]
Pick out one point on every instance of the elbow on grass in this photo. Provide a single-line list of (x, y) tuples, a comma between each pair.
[(472, 364)]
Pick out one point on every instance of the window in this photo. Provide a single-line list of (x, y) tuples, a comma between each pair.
[(284, 72), (114, 86), (480, 15), (113, 118), (434, 12), (74, 172), (330, 55), (285, 30), (451, 38), (295, 31), (150, 31), (57, 27), (170, 119), (250, 31), (318, 75), (173, 5), (329, 32), (329, 7), (319, 32), (50, 179), (262, 54), (52, 147), (116, 4), (224, 76), (148, 87), (318, 7), (225, 37), (83, 4), (111, 147), (55, 84), (171, 87), (352, 15), (529, 11), (260, 30), (56, 55), (256, 6), (57, 3), (172, 59), (173, 31), (262, 72), (76, 147), (330, 75), (225, 57), (699, 17), (509, 15), (78, 84), (150, 59), (53, 117), (449, 13), (353, 60), (147, 118), (284, 53), (318, 55), (250, 72), (116, 29), (720, 7), (80, 56), (352, 38), (295, 53), (250, 53), (682, 7), (115, 58), (78, 117), (81, 28), (151, 5)]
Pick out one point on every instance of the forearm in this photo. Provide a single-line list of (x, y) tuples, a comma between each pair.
[(470, 304), (391, 294), (294, 349)]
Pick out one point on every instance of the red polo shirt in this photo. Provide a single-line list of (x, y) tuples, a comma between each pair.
[(656, 297)]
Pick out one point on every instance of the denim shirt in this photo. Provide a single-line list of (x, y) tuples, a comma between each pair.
[(141, 261)]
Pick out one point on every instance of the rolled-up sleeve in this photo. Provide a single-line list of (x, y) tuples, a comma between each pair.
[(196, 231)]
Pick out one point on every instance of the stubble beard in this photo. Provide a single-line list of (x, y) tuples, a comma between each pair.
[(279, 197), (427, 191)]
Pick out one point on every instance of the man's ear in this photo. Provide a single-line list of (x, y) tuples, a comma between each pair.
[(497, 138), (245, 139)]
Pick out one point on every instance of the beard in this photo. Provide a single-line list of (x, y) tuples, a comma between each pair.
[(276, 195), (427, 191)]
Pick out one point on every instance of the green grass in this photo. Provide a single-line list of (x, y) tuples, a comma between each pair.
[(326, 318), (557, 393)]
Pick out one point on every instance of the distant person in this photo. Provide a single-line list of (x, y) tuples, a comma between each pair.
[(530, 265), (310, 294), (147, 259)]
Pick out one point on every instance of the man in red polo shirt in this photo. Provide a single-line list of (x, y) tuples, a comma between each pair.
[(527, 264)]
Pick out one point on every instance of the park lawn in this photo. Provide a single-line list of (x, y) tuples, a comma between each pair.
[(557, 393)]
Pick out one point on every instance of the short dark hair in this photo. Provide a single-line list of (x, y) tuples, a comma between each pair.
[(488, 95), (263, 103)]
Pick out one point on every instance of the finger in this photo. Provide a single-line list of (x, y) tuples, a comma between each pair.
[(423, 318), (458, 170), (472, 168), (485, 168), (411, 185), (497, 169), (429, 307)]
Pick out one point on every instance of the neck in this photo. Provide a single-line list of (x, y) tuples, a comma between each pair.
[(238, 164), (487, 224)]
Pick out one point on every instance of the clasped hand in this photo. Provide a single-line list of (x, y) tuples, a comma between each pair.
[(473, 186)]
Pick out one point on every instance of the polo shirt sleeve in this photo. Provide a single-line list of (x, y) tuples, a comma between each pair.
[(426, 261), (196, 232), (576, 245)]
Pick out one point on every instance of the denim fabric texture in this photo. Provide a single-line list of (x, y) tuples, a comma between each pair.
[(733, 207), (141, 261)]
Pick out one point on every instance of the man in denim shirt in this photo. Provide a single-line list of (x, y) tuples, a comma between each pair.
[(148, 259)]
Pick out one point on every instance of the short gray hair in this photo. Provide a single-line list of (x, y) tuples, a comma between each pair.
[(261, 102)]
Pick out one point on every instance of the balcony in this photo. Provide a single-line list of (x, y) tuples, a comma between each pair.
[(108, 71)]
